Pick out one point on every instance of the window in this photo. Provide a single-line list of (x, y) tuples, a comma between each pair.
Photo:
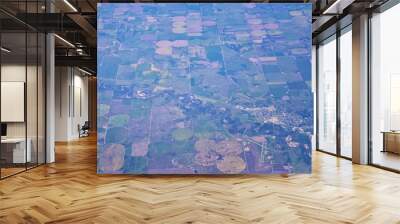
[(385, 89), (346, 92), (327, 95)]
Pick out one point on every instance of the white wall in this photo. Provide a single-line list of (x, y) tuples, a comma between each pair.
[(80, 105), (14, 72), (33, 127), (62, 81), (70, 84), (17, 73)]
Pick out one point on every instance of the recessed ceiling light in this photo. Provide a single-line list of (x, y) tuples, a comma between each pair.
[(70, 5), (337, 7), (64, 40), (84, 71), (5, 50)]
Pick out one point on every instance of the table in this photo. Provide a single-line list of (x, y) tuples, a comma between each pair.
[(19, 155), (391, 141)]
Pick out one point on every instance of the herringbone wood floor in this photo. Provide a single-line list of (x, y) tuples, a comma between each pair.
[(69, 191)]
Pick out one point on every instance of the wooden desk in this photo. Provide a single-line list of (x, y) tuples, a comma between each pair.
[(391, 141), (17, 148)]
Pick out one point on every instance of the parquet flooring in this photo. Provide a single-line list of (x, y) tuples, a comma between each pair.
[(70, 191), (10, 171)]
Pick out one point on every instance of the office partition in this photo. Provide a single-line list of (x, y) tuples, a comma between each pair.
[(22, 101)]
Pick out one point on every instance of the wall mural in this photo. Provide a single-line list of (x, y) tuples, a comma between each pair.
[(204, 88)]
